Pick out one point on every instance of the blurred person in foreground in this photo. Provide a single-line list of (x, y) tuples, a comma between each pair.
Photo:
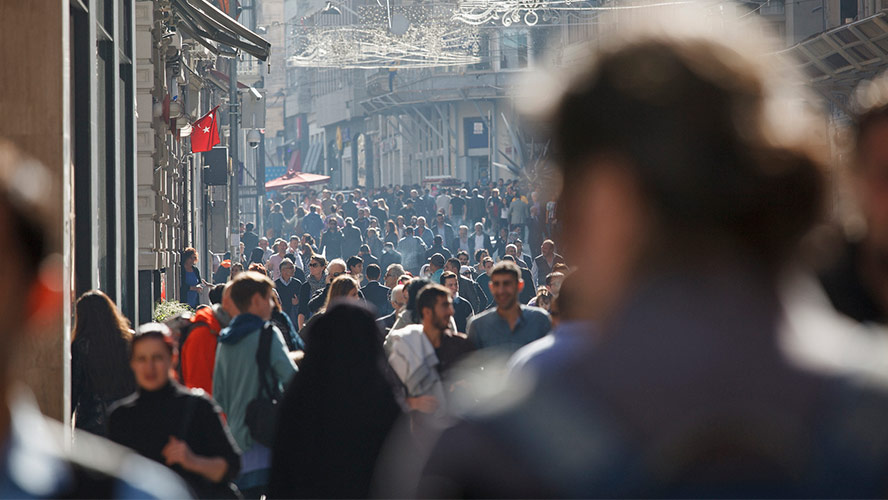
[(338, 410), (172, 425), (36, 458), (857, 280), (689, 183)]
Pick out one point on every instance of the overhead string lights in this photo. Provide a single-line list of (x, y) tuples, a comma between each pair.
[(509, 12), (416, 37)]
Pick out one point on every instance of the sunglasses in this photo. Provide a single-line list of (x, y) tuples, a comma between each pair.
[(336, 275), (314, 264)]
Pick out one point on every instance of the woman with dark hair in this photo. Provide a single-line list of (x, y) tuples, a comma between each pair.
[(192, 285), (100, 374), (172, 425), (257, 256), (391, 233), (341, 288), (338, 410)]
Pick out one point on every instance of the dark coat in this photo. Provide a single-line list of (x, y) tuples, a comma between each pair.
[(331, 244), (472, 293), (388, 258), (528, 293), (378, 295), (448, 232), (543, 268), (351, 241), (472, 249)]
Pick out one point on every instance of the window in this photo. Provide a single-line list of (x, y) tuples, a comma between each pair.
[(514, 50)]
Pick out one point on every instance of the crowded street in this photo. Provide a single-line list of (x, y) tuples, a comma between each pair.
[(469, 249)]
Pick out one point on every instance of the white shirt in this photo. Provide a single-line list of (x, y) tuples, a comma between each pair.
[(479, 242), (443, 202)]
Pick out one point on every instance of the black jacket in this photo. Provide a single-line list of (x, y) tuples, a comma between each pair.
[(145, 420), (331, 244), (286, 294), (378, 295), (472, 293), (351, 241), (388, 258)]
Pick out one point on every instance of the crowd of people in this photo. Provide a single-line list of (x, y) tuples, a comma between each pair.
[(685, 346)]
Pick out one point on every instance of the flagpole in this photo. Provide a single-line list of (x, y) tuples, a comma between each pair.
[(233, 108)]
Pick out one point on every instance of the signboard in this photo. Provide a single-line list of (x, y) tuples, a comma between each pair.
[(475, 131)]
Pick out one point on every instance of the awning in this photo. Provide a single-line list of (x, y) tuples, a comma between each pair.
[(205, 23), (836, 60), (295, 180), (311, 159)]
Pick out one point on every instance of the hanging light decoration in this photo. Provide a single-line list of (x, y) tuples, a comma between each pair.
[(509, 12), (418, 37)]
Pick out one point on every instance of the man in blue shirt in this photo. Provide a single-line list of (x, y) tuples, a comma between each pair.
[(510, 325)]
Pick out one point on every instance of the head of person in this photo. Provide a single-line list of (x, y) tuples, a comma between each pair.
[(400, 221), (335, 269), (434, 305), (392, 273), (263, 243), (544, 298), (349, 221), (413, 286), (398, 299), (364, 250), (438, 241), (152, 355), (29, 207), (512, 249), (463, 232), (372, 233), (420, 221), (215, 293), (277, 208), (548, 249), (487, 264), (440, 218), (450, 281), (251, 294), (331, 224), (314, 209), (287, 269), (706, 177), (300, 212), (390, 227), (294, 242), (554, 281), (189, 257), (505, 284), (343, 287), (236, 269), (870, 172), (452, 264), (373, 272), (408, 231), (317, 265), (355, 265), (98, 321), (463, 257), (436, 262), (249, 227), (258, 268), (479, 228), (280, 246)]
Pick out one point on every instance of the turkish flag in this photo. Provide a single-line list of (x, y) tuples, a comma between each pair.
[(205, 133)]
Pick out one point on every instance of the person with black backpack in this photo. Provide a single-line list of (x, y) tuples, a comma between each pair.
[(240, 384)]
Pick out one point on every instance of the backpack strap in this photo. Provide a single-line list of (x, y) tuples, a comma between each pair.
[(263, 359)]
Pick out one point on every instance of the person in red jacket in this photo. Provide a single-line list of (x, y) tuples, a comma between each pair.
[(198, 354)]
